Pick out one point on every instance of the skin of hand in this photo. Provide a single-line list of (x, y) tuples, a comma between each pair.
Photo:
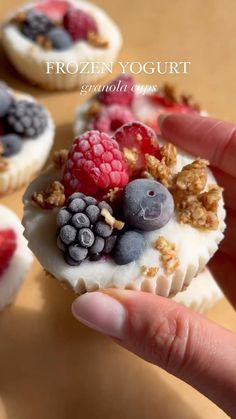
[(159, 330)]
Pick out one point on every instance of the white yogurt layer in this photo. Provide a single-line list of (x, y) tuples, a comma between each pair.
[(30, 159), (194, 248), (20, 263)]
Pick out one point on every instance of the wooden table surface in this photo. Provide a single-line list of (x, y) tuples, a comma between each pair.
[(51, 367)]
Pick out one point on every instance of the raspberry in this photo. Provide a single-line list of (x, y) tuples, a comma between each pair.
[(54, 9), (139, 137), (111, 118), (7, 248), (122, 93), (79, 23), (94, 164)]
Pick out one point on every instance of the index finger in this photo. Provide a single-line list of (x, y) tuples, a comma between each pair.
[(204, 137)]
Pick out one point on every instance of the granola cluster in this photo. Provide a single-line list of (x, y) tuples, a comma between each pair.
[(170, 94), (161, 169), (112, 221), (195, 206), (149, 271), (168, 252), (59, 158), (52, 197)]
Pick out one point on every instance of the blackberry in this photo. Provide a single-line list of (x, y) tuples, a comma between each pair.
[(26, 118), (82, 231), (35, 23)]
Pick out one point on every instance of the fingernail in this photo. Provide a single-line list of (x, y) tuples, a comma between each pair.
[(100, 312), (161, 119)]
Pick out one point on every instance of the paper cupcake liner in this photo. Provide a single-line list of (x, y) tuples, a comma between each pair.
[(194, 249), (30, 59), (30, 160), (12, 278), (202, 293)]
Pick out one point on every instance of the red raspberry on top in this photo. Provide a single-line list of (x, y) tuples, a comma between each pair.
[(94, 163), (112, 117), (122, 93), (7, 248), (138, 137), (79, 23), (54, 9)]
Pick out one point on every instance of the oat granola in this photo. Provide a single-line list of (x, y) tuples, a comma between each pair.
[(59, 158), (52, 197), (168, 252)]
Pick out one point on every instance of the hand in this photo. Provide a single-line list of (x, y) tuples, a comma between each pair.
[(157, 329)]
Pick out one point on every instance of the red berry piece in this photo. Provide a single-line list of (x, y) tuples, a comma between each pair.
[(140, 137), (112, 117), (119, 91), (95, 163), (7, 248), (79, 23), (54, 9)]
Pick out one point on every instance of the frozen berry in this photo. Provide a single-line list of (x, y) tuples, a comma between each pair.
[(59, 38), (54, 9), (120, 91), (79, 23), (82, 229), (129, 247), (104, 204), (147, 204), (12, 144), (111, 118), (35, 23), (94, 164), (7, 248), (139, 137), (86, 237), (5, 100), (103, 229), (110, 244), (26, 118), (77, 253), (97, 246), (67, 234)]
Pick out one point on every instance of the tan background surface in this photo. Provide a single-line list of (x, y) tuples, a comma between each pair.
[(51, 367)]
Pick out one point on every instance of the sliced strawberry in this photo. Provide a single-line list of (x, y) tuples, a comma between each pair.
[(7, 248), (54, 9), (138, 137)]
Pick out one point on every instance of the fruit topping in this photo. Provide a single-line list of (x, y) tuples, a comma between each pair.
[(79, 24), (7, 248), (147, 204), (54, 9), (35, 23), (95, 164), (111, 118), (129, 247), (26, 118), (5, 100), (82, 231), (120, 91), (138, 138), (59, 38), (11, 143)]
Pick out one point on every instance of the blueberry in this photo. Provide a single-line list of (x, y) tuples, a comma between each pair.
[(86, 237), (110, 244), (147, 204), (63, 216), (103, 229), (129, 247), (77, 205), (97, 246), (67, 234), (77, 253), (5, 100), (12, 144), (59, 38), (90, 200), (104, 204), (93, 213), (80, 220)]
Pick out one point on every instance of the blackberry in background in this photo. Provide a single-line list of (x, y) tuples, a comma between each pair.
[(27, 119), (35, 23)]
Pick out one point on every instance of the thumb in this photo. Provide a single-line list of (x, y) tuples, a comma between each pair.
[(209, 138), (168, 335)]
